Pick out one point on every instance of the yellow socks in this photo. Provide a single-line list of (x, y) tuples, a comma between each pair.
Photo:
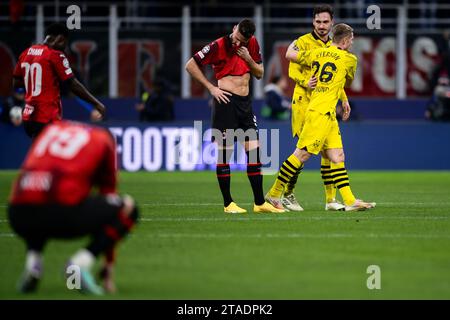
[(328, 183), (340, 179), (289, 171)]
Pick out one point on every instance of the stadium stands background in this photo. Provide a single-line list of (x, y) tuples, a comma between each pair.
[(389, 130)]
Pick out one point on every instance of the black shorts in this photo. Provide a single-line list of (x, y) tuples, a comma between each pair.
[(236, 114), (33, 128), (63, 222)]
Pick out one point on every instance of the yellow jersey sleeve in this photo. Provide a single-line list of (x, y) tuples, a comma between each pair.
[(351, 69), (304, 57), (295, 70)]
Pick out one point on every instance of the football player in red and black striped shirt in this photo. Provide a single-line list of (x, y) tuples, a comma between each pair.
[(40, 69), (51, 199), (234, 58)]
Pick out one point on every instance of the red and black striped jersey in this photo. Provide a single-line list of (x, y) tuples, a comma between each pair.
[(222, 56), (65, 161)]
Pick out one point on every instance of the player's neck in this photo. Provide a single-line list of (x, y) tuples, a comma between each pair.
[(324, 38), (337, 46), (45, 43)]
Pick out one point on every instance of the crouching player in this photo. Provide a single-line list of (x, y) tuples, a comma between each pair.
[(51, 199)]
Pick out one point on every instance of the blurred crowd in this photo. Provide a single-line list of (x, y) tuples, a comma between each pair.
[(438, 108)]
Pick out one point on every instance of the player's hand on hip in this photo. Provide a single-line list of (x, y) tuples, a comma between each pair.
[(312, 83), (96, 115), (100, 108), (220, 95), (244, 54), (347, 109)]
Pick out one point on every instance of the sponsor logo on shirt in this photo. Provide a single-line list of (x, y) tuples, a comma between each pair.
[(35, 52), (66, 64), (36, 181), (205, 49)]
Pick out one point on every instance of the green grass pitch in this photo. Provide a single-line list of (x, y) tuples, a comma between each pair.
[(185, 247)]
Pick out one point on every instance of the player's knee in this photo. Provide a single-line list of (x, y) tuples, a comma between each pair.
[(302, 155), (130, 209), (251, 145), (337, 158), (128, 205)]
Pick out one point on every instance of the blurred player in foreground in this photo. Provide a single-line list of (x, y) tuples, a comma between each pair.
[(332, 68), (51, 199), (234, 58), (39, 69)]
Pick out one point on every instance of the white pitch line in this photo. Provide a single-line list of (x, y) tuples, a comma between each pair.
[(297, 235), (217, 204), (431, 204), (283, 235), (236, 218), (181, 204), (7, 235), (196, 219)]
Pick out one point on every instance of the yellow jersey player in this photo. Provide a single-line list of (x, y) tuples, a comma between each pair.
[(318, 38), (332, 68)]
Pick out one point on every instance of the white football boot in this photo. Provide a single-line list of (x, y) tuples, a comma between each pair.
[(334, 206), (290, 202), (360, 205)]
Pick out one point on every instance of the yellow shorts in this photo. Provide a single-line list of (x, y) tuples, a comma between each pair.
[(299, 105), (320, 132)]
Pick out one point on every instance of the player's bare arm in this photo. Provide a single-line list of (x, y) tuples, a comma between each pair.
[(345, 104), (348, 82), (256, 69), (197, 74), (292, 52), (347, 109), (291, 56), (80, 91)]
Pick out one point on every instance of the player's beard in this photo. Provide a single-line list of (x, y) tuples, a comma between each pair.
[(322, 32)]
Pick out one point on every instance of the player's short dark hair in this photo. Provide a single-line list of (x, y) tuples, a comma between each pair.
[(323, 8), (57, 29), (341, 31), (247, 28)]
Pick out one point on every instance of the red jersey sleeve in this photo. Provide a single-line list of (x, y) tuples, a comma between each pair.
[(107, 170), (208, 55), (18, 71), (254, 50), (61, 65)]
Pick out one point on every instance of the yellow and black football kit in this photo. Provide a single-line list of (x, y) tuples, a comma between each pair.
[(301, 74), (333, 68)]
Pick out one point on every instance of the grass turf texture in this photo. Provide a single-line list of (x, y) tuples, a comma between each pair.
[(185, 247)]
